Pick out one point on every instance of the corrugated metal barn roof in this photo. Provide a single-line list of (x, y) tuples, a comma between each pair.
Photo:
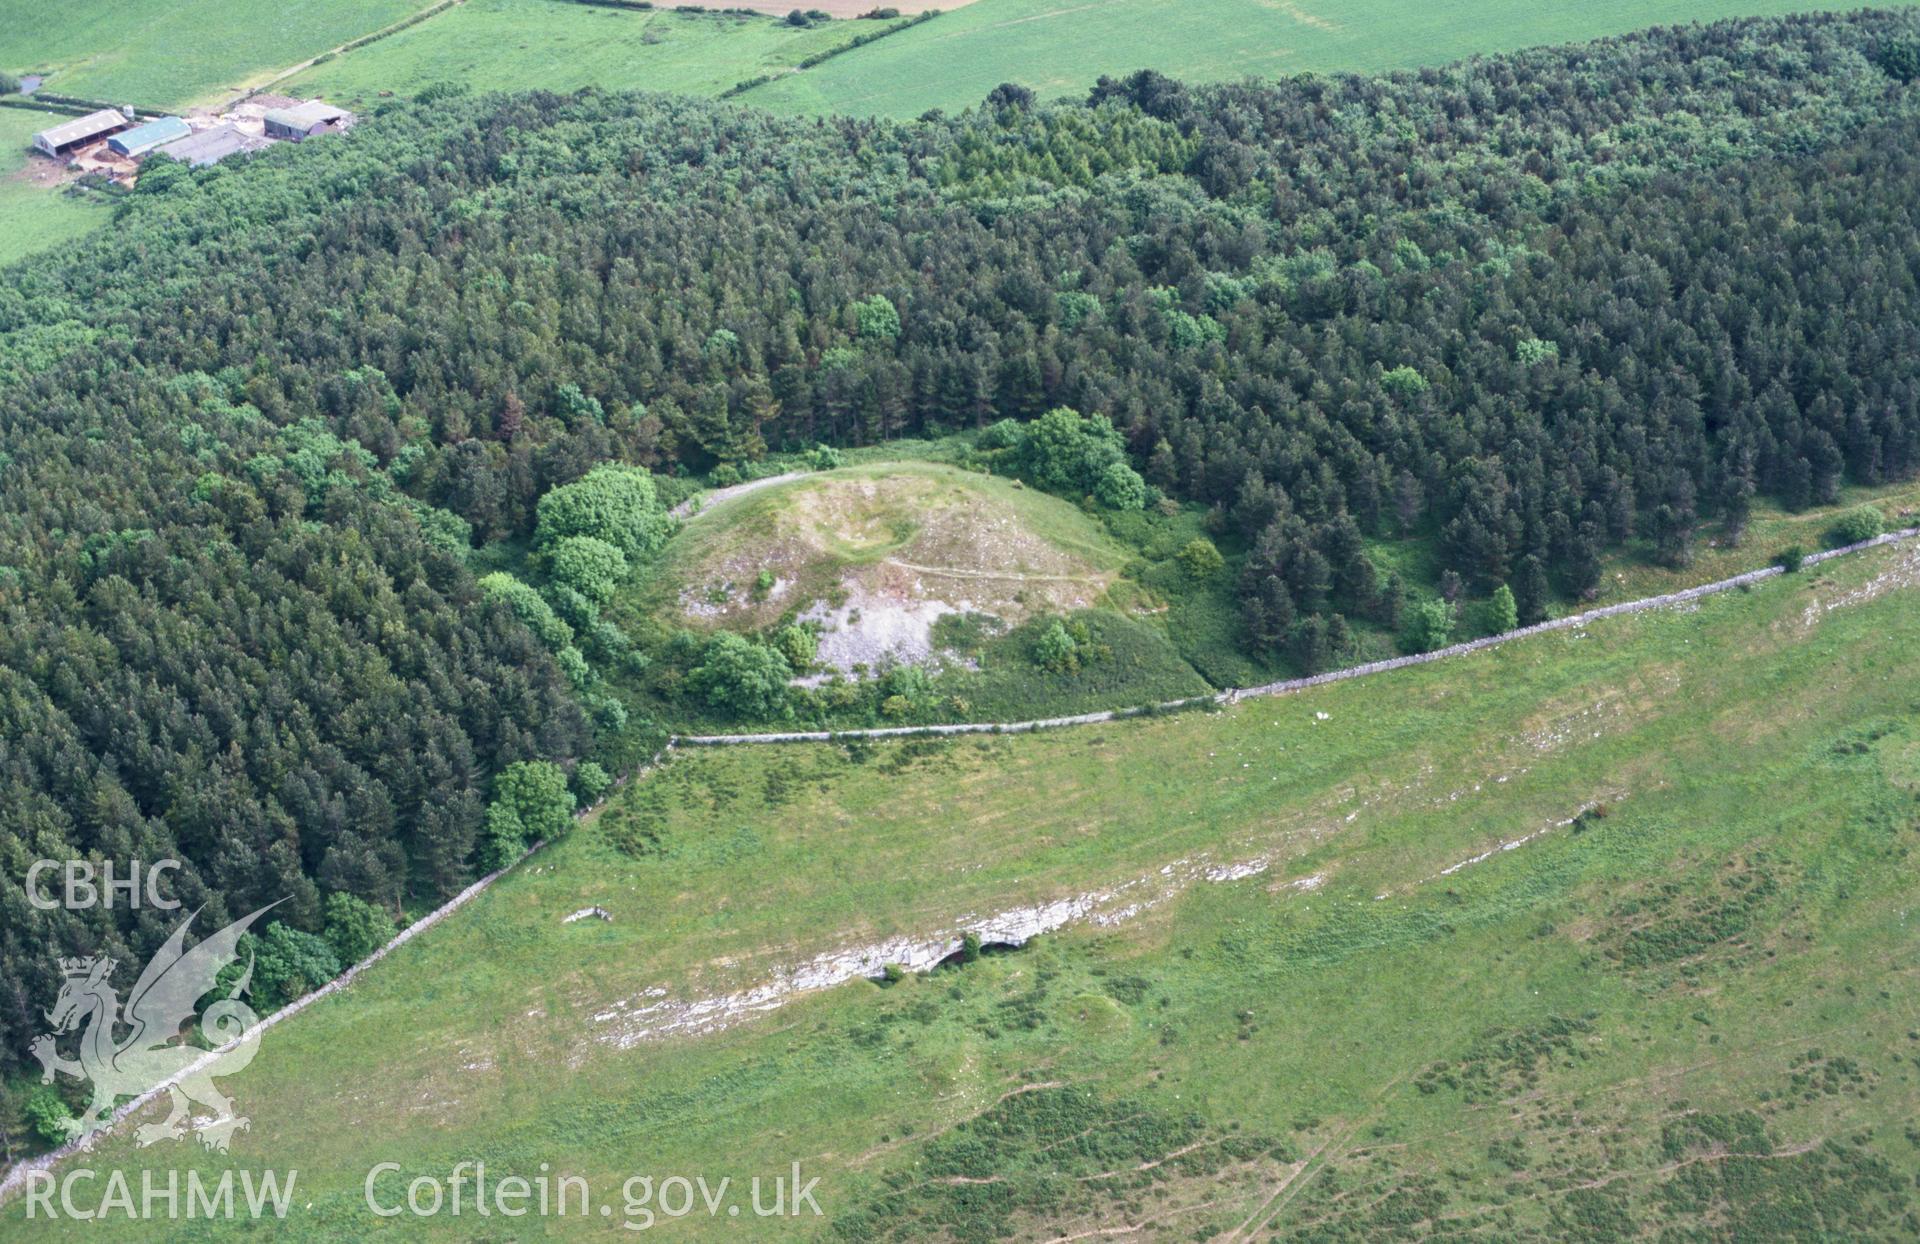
[(144, 138), (306, 116), (80, 129), (214, 145)]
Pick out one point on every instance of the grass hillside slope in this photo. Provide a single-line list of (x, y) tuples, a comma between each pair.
[(1308, 991), (1060, 47)]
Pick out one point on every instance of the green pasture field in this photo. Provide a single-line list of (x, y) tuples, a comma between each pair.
[(181, 53), (1682, 1002), (519, 45), (178, 53), (1060, 47), (33, 217)]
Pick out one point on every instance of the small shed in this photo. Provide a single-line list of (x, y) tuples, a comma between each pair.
[(80, 131), (214, 145), (141, 139), (303, 121)]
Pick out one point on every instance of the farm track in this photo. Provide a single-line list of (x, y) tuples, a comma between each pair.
[(353, 44), (994, 576), (707, 500)]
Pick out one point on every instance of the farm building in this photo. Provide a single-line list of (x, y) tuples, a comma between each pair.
[(306, 120), (141, 139), (214, 145), (69, 135)]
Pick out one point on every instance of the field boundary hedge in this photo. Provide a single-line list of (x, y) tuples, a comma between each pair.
[(351, 45), (375, 37), (28, 104), (806, 63), (81, 105)]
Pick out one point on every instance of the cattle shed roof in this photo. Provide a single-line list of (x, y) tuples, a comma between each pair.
[(81, 128), (144, 138), (212, 146), (307, 115)]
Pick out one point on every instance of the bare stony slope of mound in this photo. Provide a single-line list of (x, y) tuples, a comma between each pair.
[(877, 555)]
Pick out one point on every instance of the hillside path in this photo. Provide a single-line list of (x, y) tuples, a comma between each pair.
[(707, 500)]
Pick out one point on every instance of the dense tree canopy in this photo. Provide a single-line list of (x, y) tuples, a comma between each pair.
[(588, 565), (1530, 306), (615, 505), (743, 678)]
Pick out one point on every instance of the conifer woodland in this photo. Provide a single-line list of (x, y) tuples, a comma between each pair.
[(258, 438)]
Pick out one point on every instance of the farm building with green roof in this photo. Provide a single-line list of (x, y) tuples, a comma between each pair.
[(141, 139)]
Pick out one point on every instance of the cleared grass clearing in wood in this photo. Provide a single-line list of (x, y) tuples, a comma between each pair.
[(1632, 573), (1060, 47), (965, 533), (1726, 940), (911, 563)]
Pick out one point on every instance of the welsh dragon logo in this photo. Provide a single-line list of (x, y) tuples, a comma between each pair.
[(163, 1000)]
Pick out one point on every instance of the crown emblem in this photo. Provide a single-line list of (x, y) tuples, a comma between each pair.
[(164, 1000)]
